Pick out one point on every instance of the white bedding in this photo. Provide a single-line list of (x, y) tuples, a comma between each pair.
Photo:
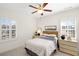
[(40, 46)]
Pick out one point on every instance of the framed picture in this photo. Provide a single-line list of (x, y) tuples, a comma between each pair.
[(51, 27)]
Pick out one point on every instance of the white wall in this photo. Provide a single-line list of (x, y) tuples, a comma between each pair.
[(25, 25), (56, 19)]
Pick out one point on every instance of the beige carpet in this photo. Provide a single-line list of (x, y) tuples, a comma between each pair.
[(22, 52)]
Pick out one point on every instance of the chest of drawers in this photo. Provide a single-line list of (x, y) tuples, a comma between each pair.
[(68, 47)]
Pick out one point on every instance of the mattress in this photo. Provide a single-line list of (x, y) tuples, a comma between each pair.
[(41, 46)]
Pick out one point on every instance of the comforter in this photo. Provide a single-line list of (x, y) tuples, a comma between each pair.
[(41, 46)]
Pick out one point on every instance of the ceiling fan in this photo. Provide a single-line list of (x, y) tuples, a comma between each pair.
[(40, 8)]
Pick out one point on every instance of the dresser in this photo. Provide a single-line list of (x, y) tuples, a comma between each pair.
[(68, 47)]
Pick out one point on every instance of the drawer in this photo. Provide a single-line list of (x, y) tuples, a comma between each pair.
[(69, 51), (68, 43), (68, 47)]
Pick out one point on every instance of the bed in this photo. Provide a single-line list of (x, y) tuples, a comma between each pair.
[(44, 45)]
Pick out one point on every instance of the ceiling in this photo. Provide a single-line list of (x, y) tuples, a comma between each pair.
[(55, 7), (25, 9)]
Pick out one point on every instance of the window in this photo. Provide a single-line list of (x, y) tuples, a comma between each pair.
[(68, 28), (7, 29)]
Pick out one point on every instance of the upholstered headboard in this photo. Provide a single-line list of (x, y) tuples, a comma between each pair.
[(51, 32)]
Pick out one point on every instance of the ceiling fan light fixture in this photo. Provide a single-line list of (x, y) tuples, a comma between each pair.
[(40, 11), (40, 8)]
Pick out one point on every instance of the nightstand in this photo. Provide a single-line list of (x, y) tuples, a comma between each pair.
[(69, 47)]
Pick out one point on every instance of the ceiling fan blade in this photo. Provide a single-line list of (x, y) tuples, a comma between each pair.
[(34, 12), (39, 5), (44, 4), (47, 10), (33, 6)]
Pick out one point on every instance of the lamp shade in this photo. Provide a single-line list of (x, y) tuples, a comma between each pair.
[(39, 30)]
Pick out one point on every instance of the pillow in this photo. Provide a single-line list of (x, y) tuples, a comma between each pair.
[(51, 38), (47, 37)]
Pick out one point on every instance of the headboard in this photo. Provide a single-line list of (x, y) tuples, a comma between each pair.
[(51, 32)]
